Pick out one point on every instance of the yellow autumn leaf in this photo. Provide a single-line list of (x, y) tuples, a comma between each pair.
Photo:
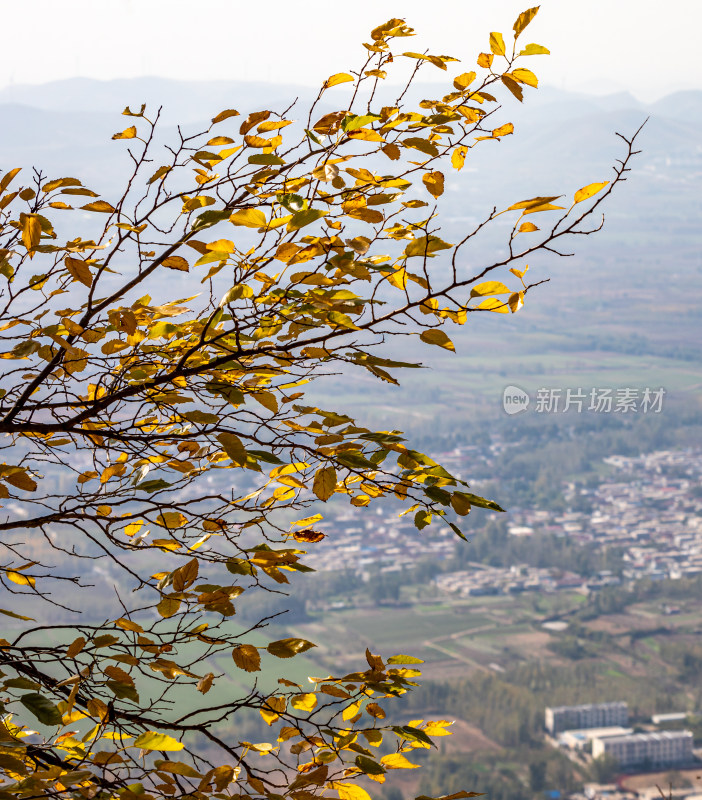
[(350, 791), (171, 520), (339, 77), (229, 112), (397, 761), (19, 578), (75, 647), (168, 606), (493, 304), (503, 130), (176, 262), (588, 191), (488, 288), (463, 81), (324, 483), (524, 19), (233, 447), (485, 60), (128, 133), (272, 709), (458, 157), (111, 471), (98, 205), (79, 270), (437, 337), (497, 44), (304, 702), (525, 76), (516, 301), (398, 278), (366, 135), (247, 657), (434, 181), (31, 233), (157, 741), (21, 480), (249, 218)]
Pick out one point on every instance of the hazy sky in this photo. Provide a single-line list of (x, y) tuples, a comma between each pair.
[(645, 46)]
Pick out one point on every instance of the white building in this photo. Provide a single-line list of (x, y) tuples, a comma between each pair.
[(662, 749), (592, 715), (578, 740)]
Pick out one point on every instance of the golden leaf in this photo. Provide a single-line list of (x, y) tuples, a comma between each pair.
[(233, 447), (516, 301), (463, 81), (176, 262), (324, 483), (513, 86), (185, 576), (588, 191), (31, 233), (493, 304), (230, 112), (503, 130), (366, 135), (128, 133), (534, 50), (437, 337), (434, 181), (98, 205), (497, 44), (488, 288), (8, 177), (398, 278), (308, 536), (168, 606), (128, 625), (171, 520), (247, 657), (524, 19), (392, 151), (253, 119), (458, 157), (485, 60), (375, 711), (249, 218), (21, 480), (111, 471), (304, 702), (19, 578), (350, 791), (157, 741), (397, 761), (525, 76), (459, 504), (339, 77), (75, 647), (96, 708)]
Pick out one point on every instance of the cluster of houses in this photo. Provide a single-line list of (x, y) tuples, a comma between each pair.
[(651, 511), (481, 580)]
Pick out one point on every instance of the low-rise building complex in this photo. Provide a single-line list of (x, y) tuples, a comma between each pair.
[(649, 750), (591, 715)]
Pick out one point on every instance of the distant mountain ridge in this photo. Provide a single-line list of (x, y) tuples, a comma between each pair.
[(67, 125)]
